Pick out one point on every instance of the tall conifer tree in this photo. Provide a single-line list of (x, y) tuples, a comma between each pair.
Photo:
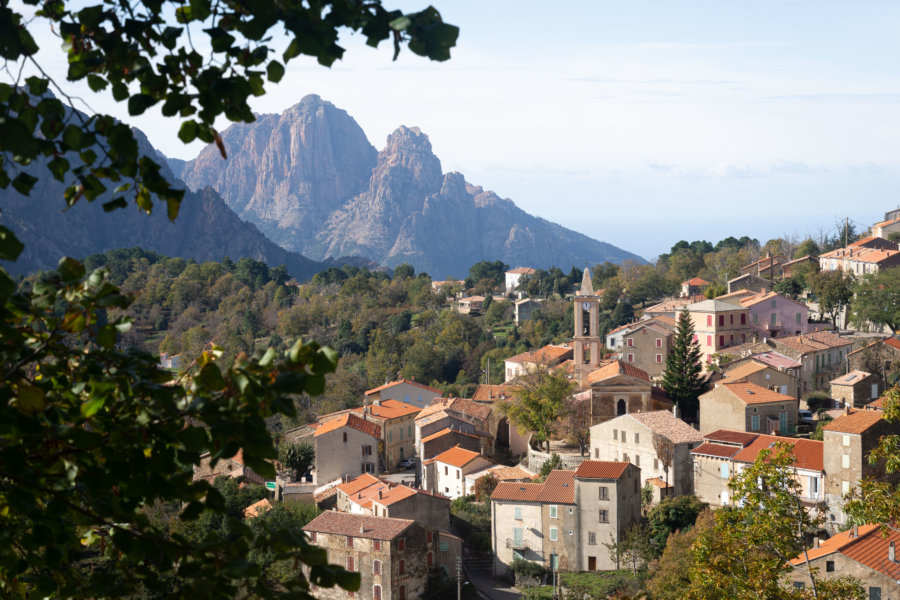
[(683, 379)]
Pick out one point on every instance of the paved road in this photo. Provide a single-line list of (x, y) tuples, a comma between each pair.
[(490, 588)]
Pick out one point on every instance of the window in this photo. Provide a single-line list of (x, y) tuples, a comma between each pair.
[(637, 460), (754, 423), (553, 511), (696, 338), (709, 320), (709, 340), (554, 534), (401, 568), (446, 470), (631, 358), (604, 516), (429, 559), (874, 593), (314, 536), (349, 563), (615, 434), (458, 472), (799, 585), (376, 545), (743, 319), (637, 438), (723, 469), (402, 594), (845, 487), (349, 541), (518, 513), (401, 544), (829, 566), (376, 567), (659, 359), (798, 318), (721, 340), (659, 342), (874, 392), (655, 464), (630, 342), (596, 452), (604, 492), (444, 546), (376, 592), (625, 457), (755, 318), (731, 319), (846, 440), (345, 437), (721, 320), (845, 461), (592, 538), (429, 537)]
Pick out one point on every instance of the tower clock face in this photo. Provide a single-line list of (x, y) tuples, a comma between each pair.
[(586, 305)]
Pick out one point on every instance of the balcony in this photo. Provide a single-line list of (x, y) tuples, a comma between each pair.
[(517, 544), (770, 326)]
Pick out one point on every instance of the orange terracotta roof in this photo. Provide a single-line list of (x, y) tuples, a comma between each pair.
[(522, 271), (504, 473), (835, 543), (360, 526), (856, 422), (871, 550), (448, 431), (893, 342), (664, 423), (358, 483), (455, 457), (717, 450), (862, 254), (517, 492), (744, 369), (548, 355), (668, 306), (393, 495), (695, 281), (258, 508), (851, 378), (885, 223), (727, 436), (765, 297), (601, 469), (350, 420), (616, 368), (750, 393), (406, 381), (459, 405), (808, 454), (390, 409), (815, 341), (558, 488), (491, 393)]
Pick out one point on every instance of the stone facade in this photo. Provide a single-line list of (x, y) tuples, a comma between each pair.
[(881, 358), (620, 388), (747, 407), (647, 347), (763, 375), (856, 389), (822, 356)]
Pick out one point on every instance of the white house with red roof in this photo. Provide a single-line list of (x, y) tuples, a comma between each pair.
[(404, 390), (346, 446), (368, 495), (446, 473), (513, 277), (527, 362)]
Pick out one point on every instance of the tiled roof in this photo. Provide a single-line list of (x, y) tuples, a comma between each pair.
[(744, 369), (390, 409), (455, 457), (471, 299), (851, 378), (766, 297), (257, 508), (812, 342), (459, 405), (665, 320), (779, 361), (750, 393), (522, 271), (885, 223), (601, 469), (616, 368), (358, 483), (558, 488), (406, 381), (350, 420), (717, 450), (695, 281), (491, 393), (856, 422), (808, 454), (658, 482), (835, 543), (667, 425), (862, 254), (727, 436), (668, 306), (892, 342), (712, 306), (521, 492), (446, 431), (394, 494), (548, 355), (361, 526), (504, 473), (871, 550), (801, 259)]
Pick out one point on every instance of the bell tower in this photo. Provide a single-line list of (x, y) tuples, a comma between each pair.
[(588, 345)]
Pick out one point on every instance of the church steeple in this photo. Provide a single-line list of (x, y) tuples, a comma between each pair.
[(587, 284)]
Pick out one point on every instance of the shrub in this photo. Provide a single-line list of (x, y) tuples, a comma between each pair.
[(527, 568)]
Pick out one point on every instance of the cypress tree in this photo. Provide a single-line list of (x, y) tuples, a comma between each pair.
[(683, 379)]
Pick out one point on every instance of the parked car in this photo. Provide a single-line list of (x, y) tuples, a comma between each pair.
[(806, 417), (408, 463)]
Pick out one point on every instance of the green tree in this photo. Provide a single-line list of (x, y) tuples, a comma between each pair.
[(299, 457), (404, 271), (877, 299), (494, 271), (539, 401), (623, 313), (789, 287), (671, 577), (682, 378), (485, 486), (671, 515), (746, 553), (806, 248), (833, 290)]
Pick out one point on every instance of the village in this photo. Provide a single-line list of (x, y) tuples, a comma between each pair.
[(396, 476)]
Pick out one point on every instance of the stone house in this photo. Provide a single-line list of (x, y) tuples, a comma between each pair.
[(763, 375), (619, 388), (747, 407), (392, 556), (447, 438), (647, 346), (772, 314), (566, 520), (500, 473), (397, 421), (657, 442), (693, 287), (527, 362), (347, 446), (863, 553), (470, 305), (881, 358), (848, 441), (725, 453), (404, 390), (513, 277), (225, 467), (859, 260), (667, 308), (794, 267), (856, 388), (767, 267), (615, 338), (822, 355), (749, 283), (458, 415), (718, 324), (368, 495), (445, 473), (524, 309)]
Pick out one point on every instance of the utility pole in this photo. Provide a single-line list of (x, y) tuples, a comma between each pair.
[(458, 578), (846, 227)]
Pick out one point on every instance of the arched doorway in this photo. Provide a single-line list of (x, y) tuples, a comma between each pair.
[(621, 407), (502, 437)]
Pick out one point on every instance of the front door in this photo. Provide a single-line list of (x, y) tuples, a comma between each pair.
[(782, 422), (517, 537), (592, 563)]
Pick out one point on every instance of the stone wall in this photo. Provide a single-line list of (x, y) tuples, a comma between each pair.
[(569, 461)]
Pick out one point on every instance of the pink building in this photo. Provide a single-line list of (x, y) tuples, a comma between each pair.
[(774, 315), (718, 324)]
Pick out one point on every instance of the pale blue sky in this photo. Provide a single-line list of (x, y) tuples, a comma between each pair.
[(641, 123)]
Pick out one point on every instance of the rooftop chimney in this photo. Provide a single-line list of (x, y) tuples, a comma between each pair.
[(855, 533), (891, 553), (380, 494), (362, 529)]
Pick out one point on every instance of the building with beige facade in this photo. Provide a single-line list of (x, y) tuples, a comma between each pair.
[(648, 344), (763, 375), (656, 441), (718, 324), (565, 521), (620, 388), (822, 355), (747, 407), (347, 446), (392, 556), (368, 495), (528, 362), (404, 390), (398, 430), (856, 388)]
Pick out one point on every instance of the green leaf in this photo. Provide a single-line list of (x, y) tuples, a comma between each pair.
[(188, 131), (23, 183), (69, 269), (72, 137), (274, 71), (10, 246), (210, 378), (106, 336), (139, 103), (114, 204), (30, 399), (90, 408)]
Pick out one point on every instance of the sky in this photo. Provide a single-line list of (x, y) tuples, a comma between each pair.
[(637, 123)]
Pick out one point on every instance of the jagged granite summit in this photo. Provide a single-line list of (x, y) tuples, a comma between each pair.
[(311, 181)]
